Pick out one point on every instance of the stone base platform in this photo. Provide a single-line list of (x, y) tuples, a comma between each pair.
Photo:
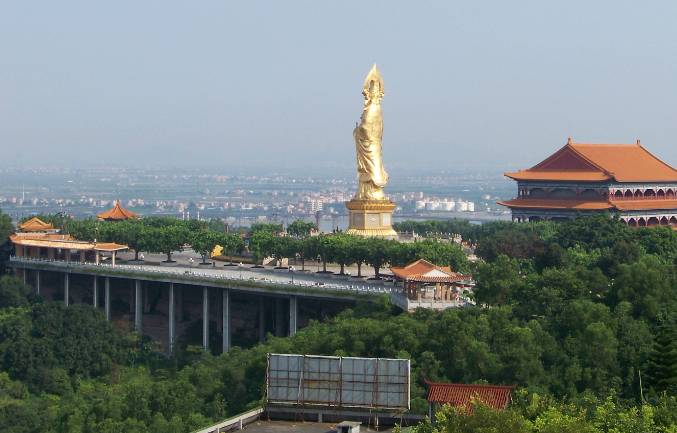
[(371, 219)]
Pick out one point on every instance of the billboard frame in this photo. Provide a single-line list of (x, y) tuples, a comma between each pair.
[(333, 381)]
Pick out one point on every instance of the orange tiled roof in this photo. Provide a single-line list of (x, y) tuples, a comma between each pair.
[(596, 162), (590, 176), (531, 203), (645, 204), (424, 271), (36, 225), (117, 213), (459, 394), (65, 244), (536, 203)]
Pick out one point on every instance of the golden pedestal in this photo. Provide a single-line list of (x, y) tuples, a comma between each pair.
[(371, 219)]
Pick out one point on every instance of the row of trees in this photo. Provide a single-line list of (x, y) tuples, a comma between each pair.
[(166, 235), (156, 235), (347, 250)]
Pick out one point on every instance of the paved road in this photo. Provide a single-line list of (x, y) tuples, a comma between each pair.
[(153, 261)]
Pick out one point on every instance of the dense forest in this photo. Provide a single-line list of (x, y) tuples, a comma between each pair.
[(580, 315)]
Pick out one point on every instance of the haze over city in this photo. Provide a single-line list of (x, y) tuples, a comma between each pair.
[(221, 84)]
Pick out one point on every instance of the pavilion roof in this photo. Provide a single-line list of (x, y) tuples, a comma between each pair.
[(461, 395), (426, 272), (36, 225), (68, 244), (117, 213), (599, 162)]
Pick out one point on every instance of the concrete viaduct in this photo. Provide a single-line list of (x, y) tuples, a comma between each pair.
[(159, 301)]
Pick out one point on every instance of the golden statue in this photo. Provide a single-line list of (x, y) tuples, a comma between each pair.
[(371, 214), (368, 136)]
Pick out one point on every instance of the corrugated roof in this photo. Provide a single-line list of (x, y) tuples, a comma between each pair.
[(535, 203), (461, 395), (598, 162), (117, 213)]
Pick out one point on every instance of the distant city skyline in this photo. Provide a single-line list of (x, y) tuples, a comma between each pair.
[(480, 85)]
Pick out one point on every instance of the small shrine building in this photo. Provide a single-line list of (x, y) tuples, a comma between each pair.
[(117, 213), (624, 179), (421, 275)]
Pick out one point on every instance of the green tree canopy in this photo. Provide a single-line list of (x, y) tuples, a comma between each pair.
[(300, 228)]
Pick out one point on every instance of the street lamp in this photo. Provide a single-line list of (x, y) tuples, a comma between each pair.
[(240, 266), (141, 257), (190, 262), (292, 269)]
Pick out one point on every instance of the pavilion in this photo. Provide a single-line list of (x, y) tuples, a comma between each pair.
[(624, 179), (49, 245), (461, 396), (117, 213), (421, 274)]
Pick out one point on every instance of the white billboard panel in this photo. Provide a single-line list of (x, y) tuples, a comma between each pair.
[(338, 381)]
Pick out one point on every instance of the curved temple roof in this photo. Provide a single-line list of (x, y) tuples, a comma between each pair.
[(599, 162), (424, 271), (117, 213)]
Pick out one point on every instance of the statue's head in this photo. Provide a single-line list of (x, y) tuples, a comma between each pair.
[(373, 87), (373, 94)]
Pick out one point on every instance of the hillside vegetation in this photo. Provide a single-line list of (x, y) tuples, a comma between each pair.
[(578, 315)]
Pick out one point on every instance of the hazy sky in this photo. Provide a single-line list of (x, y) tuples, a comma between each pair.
[(223, 83)]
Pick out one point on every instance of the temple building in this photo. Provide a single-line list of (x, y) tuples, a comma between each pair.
[(117, 213), (38, 240), (624, 179)]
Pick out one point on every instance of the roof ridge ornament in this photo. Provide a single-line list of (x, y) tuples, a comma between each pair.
[(569, 140)]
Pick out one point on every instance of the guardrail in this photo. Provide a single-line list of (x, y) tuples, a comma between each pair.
[(237, 422), (172, 272), (408, 304)]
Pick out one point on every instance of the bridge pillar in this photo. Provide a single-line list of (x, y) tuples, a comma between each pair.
[(106, 295), (146, 297), (293, 315), (225, 325), (262, 320), (171, 318), (138, 306), (279, 318), (95, 293), (65, 288), (180, 303), (205, 318), (37, 282)]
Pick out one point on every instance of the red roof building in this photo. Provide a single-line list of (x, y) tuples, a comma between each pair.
[(420, 274), (118, 213), (620, 178), (461, 396)]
